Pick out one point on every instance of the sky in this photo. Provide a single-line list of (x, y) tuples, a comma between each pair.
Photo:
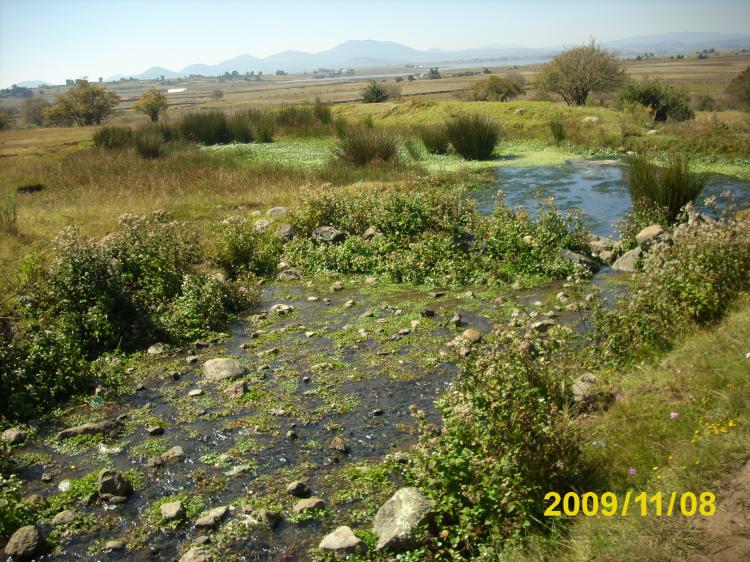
[(52, 40)]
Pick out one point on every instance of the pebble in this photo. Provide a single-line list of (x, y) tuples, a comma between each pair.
[(195, 392)]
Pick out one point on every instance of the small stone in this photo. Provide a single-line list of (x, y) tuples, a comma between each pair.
[(542, 326), (349, 304), (368, 314), (46, 477), (114, 545), (371, 232), (342, 542), (174, 454), (308, 504), (436, 293), (292, 435), (110, 427), (261, 225), (290, 274), (111, 483), (197, 554), (156, 349), (310, 334), (377, 412), (155, 430), (195, 392), (14, 436), (456, 320), (338, 444), (65, 517), (25, 543), (306, 379), (298, 489), (275, 212), (65, 486), (191, 359), (172, 510), (236, 389), (327, 235), (212, 517), (203, 539), (404, 332), (239, 469), (312, 298), (472, 335)]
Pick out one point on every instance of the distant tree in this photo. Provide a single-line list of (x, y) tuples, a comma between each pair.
[(410, 78), (152, 103), (495, 88), (739, 88), (83, 104), (217, 94), (33, 110), (578, 72), (486, 70), (6, 119), (374, 93), (399, 79), (280, 73), (664, 100), (434, 74)]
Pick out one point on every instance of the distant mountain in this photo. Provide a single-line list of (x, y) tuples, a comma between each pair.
[(31, 84), (685, 41)]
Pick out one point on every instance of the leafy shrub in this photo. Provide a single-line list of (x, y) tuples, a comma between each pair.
[(739, 87), (14, 512), (664, 100), (705, 103), (240, 127), (669, 187), (495, 88), (241, 248), (435, 139), (206, 127), (149, 142), (474, 137), (374, 93), (363, 145), (6, 119), (112, 137), (557, 128)]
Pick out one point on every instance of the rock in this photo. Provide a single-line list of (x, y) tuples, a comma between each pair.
[(298, 489), (337, 286), (519, 111), (174, 454), (156, 349), (456, 320), (195, 392), (261, 225), (203, 539), (371, 233), (275, 212), (224, 368), (427, 313), (270, 518), (109, 427), (155, 430), (646, 237), (652, 132), (236, 389), (197, 554), (111, 483), (281, 309), (327, 235), (114, 545), (542, 326), (436, 293), (377, 412), (239, 469), (14, 436), (472, 335), (308, 504), (290, 274), (286, 232), (172, 510), (65, 486), (342, 542), (404, 332), (628, 262), (24, 544), (212, 517), (36, 501), (600, 243), (397, 519), (338, 444), (607, 256), (590, 119), (579, 259), (585, 398), (65, 517)]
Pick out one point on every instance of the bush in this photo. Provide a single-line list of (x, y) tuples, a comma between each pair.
[(362, 145), (152, 103), (149, 142), (207, 127), (739, 87), (112, 137), (435, 139), (34, 109), (240, 127), (6, 119), (495, 88), (668, 188), (374, 93), (474, 137), (705, 103), (664, 100), (323, 112), (83, 104), (241, 248), (557, 128)]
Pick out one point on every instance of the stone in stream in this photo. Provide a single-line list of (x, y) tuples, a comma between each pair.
[(646, 237), (155, 430), (600, 244), (195, 392), (397, 519), (427, 313), (65, 517), (191, 359), (342, 542), (298, 489), (172, 510), (14, 436), (269, 518), (212, 517), (24, 544), (436, 293), (114, 545), (175, 454), (290, 274), (327, 235), (628, 262), (308, 504), (223, 368), (112, 484), (236, 389), (580, 259), (109, 427), (339, 444), (456, 320), (197, 554), (281, 309)]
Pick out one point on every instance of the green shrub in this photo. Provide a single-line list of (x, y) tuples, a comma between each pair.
[(240, 128), (363, 145), (669, 187), (149, 142), (206, 127), (323, 112), (374, 93), (112, 137), (495, 88), (474, 137), (664, 100), (557, 128), (241, 248), (14, 512), (739, 87), (435, 139)]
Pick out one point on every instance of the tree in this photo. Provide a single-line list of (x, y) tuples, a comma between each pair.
[(152, 103), (6, 119), (83, 104), (664, 100), (374, 93), (739, 88), (578, 72), (217, 94), (33, 110), (495, 88)]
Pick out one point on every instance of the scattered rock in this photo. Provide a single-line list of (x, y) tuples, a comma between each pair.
[(337, 286), (155, 430), (397, 519), (519, 111), (156, 349), (239, 469), (36, 501), (580, 259), (590, 119), (270, 518), (436, 293), (114, 545), (600, 243), (290, 274), (203, 539), (197, 554), (109, 427), (281, 309), (175, 454), (652, 132), (456, 320), (286, 232), (298, 489), (111, 483), (327, 235), (236, 389), (607, 256), (14, 436), (427, 313), (172, 510), (195, 392), (24, 544), (65, 517), (212, 517), (377, 412), (275, 212), (308, 504), (472, 335), (338, 444), (646, 237), (586, 398), (223, 368), (628, 262), (371, 233), (342, 542), (542, 326), (261, 225)]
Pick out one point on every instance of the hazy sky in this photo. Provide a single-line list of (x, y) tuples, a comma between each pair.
[(56, 39)]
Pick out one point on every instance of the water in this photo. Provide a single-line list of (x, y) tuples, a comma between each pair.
[(596, 187)]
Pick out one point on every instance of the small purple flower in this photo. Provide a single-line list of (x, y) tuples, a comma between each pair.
[(631, 471), (673, 415)]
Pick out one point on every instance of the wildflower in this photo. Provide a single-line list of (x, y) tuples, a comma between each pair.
[(673, 415), (631, 471), (747, 355)]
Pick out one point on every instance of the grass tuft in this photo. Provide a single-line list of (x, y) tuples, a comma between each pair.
[(473, 136)]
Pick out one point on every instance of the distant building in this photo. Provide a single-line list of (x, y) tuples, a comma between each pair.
[(176, 90)]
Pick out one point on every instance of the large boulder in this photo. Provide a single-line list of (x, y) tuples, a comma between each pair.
[(397, 519), (327, 235), (628, 262), (24, 544), (222, 368), (14, 436), (580, 259), (111, 483), (197, 554), (275, 212), (342, 542), (108, 427), (286, 232), (646, 237)]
